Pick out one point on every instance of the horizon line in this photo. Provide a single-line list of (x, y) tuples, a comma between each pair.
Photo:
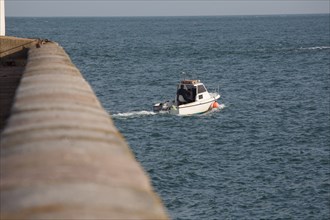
[(104, 16)]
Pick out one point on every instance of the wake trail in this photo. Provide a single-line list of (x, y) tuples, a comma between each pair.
[(133, 114), (315, 48), (139, 114)]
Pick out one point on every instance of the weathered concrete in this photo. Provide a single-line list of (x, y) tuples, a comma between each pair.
[(61, 155), (15, 48), (13, 56)]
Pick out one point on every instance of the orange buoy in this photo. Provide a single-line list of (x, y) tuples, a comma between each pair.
[(215, 105)]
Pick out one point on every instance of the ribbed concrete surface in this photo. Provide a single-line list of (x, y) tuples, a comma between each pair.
[(61, 155)]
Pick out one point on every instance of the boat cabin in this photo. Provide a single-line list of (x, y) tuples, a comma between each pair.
[(191, 91)]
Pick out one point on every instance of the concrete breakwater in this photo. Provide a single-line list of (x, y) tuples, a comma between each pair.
[(61, 155)]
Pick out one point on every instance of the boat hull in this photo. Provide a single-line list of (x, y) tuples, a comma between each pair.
[(193, 108)]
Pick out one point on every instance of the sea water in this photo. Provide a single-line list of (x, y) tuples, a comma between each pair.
[(264, 155)]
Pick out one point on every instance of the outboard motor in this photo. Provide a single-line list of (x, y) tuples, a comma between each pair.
[(163, 106), (157, 107)]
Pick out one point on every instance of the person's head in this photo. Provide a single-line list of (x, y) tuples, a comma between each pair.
[(182, 86)]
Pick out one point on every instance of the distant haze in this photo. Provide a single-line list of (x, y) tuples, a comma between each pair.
[(37, 8)]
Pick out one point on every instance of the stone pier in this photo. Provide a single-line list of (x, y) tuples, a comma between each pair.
[(61, 155)]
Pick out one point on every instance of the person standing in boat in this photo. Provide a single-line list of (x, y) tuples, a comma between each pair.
[(183, 96)]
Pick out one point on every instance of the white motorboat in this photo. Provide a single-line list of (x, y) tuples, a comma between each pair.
[(192, 98)]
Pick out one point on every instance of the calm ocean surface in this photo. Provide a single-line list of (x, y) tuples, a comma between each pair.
[(264, 155)]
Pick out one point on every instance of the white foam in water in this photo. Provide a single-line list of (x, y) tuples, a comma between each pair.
[(315, 48), (221, 106), (133, 114), (215, 110)]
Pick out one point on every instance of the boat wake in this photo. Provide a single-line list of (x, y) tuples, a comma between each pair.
[(221, 106), (138, 114), (133, 114), (315, 48)]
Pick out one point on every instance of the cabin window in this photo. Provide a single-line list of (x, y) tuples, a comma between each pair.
[(201, 89), (200, 97)]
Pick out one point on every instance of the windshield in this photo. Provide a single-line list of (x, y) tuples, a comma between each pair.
[(201, 89)]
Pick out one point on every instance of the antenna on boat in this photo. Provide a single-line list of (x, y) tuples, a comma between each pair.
[(183, 75), (2, 18)]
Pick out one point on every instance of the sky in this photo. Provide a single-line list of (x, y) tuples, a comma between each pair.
[(41, 8)]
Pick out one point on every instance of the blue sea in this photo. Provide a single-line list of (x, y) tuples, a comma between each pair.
[(265, 154)]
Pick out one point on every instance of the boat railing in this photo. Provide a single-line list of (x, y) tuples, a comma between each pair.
[(215, 90)]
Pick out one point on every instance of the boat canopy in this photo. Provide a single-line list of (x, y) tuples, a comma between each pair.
[(192, 82)]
